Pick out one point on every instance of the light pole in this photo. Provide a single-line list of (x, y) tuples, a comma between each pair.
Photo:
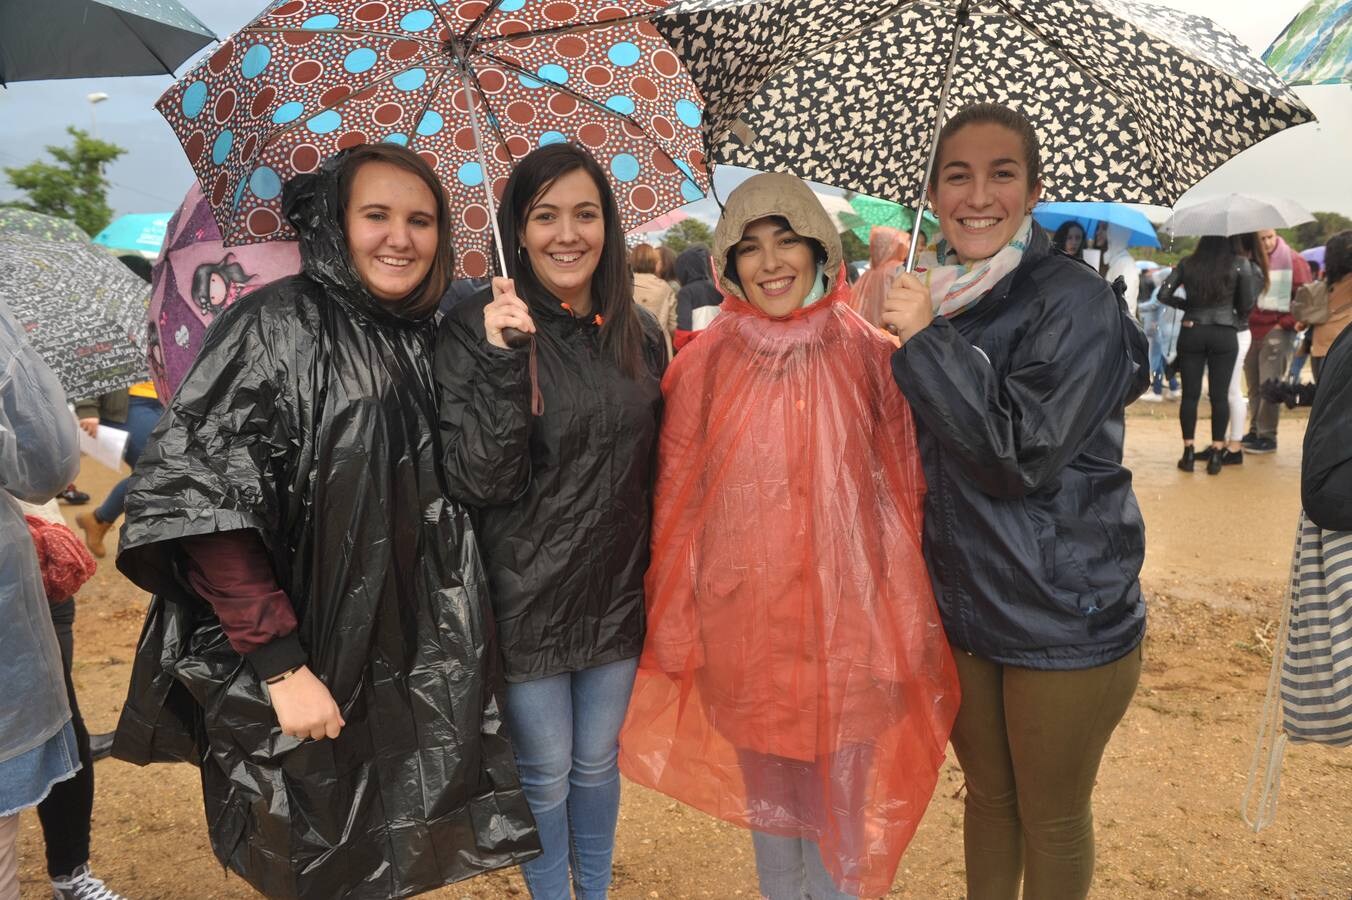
[(94, 100)]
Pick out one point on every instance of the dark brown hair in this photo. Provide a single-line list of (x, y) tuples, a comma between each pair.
[(993, 114), (612, 283), (667, 257), (1338, 257), (643, 259), (1248, 246), (423, 300)]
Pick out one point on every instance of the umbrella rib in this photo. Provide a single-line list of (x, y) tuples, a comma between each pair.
[(343, 32), (474, 26), (600, 107), (168, 69), (576, 28)]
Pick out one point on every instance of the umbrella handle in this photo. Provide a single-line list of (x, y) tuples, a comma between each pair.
[(964, 17)]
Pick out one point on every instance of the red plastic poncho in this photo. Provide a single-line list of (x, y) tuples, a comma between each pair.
[(795, 679), (886, 248)]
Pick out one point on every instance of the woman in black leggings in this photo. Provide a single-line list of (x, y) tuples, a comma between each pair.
[(1214, 288)]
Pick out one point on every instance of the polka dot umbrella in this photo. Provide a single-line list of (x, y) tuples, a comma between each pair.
[(472, 86)]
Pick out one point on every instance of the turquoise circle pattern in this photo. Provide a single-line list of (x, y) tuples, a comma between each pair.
[(265, 183), (288, 112), (624, 54), (220, 150), (256, 59), (410, 80), (360, 60), (325, 122), (470, 174), (511, 5), (418, 20), (194, 99), (624, 167), (691, 192), (319, 23), (688, 113), (620, 104), (555, 73), (396, 137), (430, 123), (552, 137)]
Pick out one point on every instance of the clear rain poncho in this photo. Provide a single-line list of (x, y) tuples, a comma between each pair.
[(795, 678), (887, 248)]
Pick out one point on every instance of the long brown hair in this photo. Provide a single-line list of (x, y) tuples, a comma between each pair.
[(1248, 246), (423, 300), (612, 282)]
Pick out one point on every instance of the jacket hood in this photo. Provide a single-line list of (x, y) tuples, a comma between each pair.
[(693, 265), (310, 204), (887, 245), (775, 194), (1118, 238)]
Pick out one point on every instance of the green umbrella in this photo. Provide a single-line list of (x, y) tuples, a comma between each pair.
[(1316, 47), (870, 212), (49, 228)]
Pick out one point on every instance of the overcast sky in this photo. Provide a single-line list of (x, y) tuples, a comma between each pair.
[(1309, 164)]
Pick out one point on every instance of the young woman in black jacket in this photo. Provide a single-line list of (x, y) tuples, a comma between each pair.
[(1215, 289), (563, 497)]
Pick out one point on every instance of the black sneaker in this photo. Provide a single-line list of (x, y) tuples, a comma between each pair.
[(1232, 458), (1262, 445), (73, 496), (1204, 455), (1249, 439)]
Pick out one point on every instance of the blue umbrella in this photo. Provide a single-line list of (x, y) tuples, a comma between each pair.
[(139, 232), (1052, 216)]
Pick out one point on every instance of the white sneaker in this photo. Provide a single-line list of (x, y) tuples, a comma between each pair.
[(1152, 397), (82, 885)]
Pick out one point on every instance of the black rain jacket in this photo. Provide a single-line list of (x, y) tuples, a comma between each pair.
[(1326, 467), (564, 499), (1032, 533), (310, 418)]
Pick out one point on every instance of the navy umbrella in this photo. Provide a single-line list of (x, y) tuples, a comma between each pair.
[(91, 38)]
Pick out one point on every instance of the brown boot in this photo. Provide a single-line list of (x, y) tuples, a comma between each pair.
[(94, 530)]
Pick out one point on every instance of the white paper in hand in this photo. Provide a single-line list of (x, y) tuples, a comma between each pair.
[(107, 448)]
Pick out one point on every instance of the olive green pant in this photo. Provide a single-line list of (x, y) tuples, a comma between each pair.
[(1029, 743)]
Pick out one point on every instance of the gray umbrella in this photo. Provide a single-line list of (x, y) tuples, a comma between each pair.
[(1133, 102), (1235, 214), (81, 309), (88, 38)]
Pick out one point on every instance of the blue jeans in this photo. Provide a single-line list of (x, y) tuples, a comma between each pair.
[(142, 415), (565, 730), (1161, 324)]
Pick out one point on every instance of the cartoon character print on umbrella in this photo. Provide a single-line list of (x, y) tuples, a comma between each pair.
[(307, 79)]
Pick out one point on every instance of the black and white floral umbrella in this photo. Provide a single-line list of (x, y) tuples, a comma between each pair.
[(1134, 102)]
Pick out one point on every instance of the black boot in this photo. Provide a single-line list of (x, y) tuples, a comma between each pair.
[(1189, 457), (1214, 461)]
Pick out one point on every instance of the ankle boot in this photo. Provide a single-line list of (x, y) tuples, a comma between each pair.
[(1189, 459), (1215, 461)]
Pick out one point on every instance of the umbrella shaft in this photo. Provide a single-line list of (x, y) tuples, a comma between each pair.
[(483, 164), (964, 17)]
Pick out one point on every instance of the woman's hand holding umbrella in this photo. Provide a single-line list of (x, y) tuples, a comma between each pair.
[(507, 312), (907, 309), (304, 706)]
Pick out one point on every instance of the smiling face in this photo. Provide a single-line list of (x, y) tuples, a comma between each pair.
[(775, 266), (391, 226), (981, 193), (565, 234)]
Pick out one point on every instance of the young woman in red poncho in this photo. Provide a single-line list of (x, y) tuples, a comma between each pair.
[(795, 678)]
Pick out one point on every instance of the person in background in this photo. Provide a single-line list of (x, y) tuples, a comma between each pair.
[(563, 493), (1248, 248), (651, 290), (1273, 329), (1119, 263), (1018, 363), (39, 455), (1161, 330), (134, 410), (887, 251), (698, 300), (1069, 239), (1326, 461), (1214, 288), (666, 269), (1338, 277)]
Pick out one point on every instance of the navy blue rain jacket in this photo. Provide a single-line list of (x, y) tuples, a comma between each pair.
[(1033, 536)]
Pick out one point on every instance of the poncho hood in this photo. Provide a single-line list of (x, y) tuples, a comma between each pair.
[(693, 265), (310, 203), (775, 194)]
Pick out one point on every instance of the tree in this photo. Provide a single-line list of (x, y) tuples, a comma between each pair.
[(688, 233), (1317, 233), (853, 248), (73, 189)]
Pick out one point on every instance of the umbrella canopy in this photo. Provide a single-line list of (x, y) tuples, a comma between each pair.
[(49, 228), (1316, 47), (139, 232), (1133, 102), (662, 222), (196, 278), (82, 310), (1314, 255), (472, 87), (867, 212), (1052, 216), (88, 38), (1235, 214)]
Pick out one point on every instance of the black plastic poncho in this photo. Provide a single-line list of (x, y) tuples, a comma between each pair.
[(310, 418)]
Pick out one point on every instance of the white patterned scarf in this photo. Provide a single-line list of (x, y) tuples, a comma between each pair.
[(954, 287)]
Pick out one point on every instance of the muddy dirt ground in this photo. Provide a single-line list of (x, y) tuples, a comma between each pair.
[(1168, 796)]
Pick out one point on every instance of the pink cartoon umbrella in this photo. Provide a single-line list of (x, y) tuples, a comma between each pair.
[(472, 86), (197, 277)]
